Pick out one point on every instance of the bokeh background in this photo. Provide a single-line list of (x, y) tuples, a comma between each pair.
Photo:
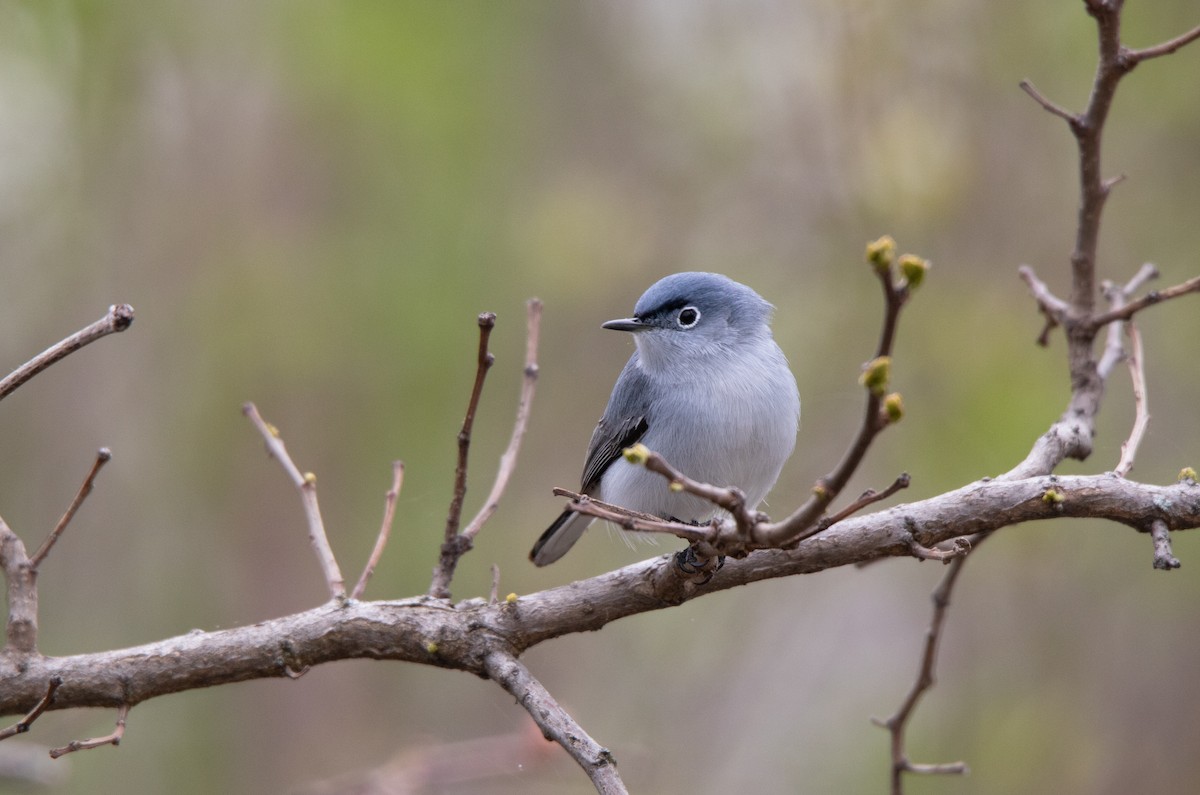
[(309, 202)]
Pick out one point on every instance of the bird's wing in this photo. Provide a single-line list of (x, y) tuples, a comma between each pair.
[(624, 422)]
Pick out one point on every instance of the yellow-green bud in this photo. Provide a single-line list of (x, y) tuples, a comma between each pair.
[(913, 269), (271, 429), (1187, 473), (675, 486), (1053, 497), (876, 374), (636, 454), (511, 598), (881, 253), (431, 647), (893, 406), (310, 478)]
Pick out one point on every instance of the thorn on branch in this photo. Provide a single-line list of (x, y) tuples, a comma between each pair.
[(109, 739)]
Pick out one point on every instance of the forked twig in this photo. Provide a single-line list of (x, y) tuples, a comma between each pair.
[(508, 460), (457, 544), (307, 484), (897, 724)]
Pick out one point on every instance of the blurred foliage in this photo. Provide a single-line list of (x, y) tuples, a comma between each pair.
[(309, 202)]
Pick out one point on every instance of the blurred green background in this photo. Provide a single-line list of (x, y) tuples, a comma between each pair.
[(309, 202)]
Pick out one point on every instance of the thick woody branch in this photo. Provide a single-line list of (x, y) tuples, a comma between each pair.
[(306, 483), (119, 318), (461, 636), (20, 637)]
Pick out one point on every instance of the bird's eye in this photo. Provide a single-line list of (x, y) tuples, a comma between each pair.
[(688, 317)]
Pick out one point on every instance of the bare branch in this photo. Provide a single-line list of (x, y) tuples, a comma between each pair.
[(897, 724), (454, 545), (109, 739), (484, 362), (307, 484), (867, 498), (385, 529), (103, 455), (555, 722), (508, 460), (1140, 402), (1163, 557), (22, 726), (1126, 311), (1166, 48), (628, 519), (119, 318), (22, 627), (1047, 104)]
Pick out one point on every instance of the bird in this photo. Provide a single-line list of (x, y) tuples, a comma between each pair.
[(707, 387)]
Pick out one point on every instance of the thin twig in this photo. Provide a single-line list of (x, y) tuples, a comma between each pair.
[(22, 726), (494, 594), (484, 362), (103, 455), (631, 520), (385, 529), (508, 460), (1047, 104), (1164, 559), (109, 739), (867, 498), (897, 724), (1141, 406), (1151, 298), (119, 318), (307, 484), (1166, 48), (556, 723), (454, 544)]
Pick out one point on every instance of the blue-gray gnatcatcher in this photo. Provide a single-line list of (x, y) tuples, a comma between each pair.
[(707, 388)]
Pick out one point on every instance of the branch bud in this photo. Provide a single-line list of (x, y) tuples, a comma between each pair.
[(1053, 497), (511, 599), (636, 454), (1187, 473), (913, 269), (893, 407), (881, 253), (876, 374)]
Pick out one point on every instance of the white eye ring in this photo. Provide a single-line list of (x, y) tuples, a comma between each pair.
[(688, 317)]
